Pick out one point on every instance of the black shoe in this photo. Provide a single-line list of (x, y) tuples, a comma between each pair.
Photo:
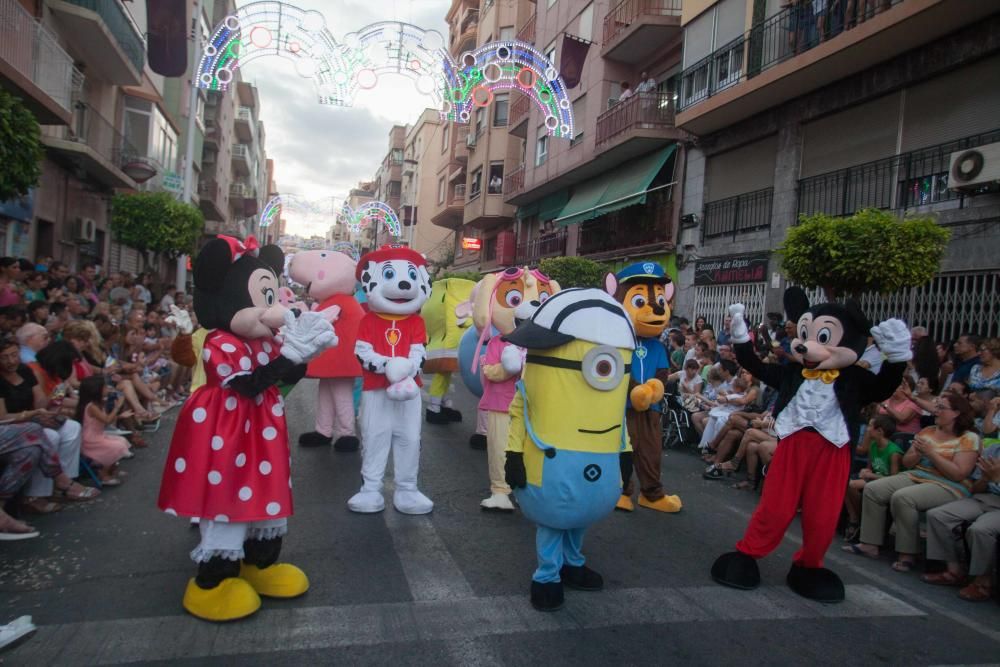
[(436, 417), (581, 577), (736, 570), (346, 443), (477, 441), (547, 597), (452, 414), (314, 439), (816, 583)]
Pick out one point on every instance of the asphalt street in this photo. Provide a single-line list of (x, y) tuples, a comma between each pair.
[(104, 581)]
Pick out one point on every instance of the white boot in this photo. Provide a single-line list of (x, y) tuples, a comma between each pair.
[(412, 502), (498, 502), (366, 502)]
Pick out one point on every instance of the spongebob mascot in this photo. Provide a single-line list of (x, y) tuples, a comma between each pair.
[(568, 444), (443, 315), (645, 290)]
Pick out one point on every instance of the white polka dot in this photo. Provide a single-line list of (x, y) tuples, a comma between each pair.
[(199, 415), (171, 511), (217, 442), (272, 508), (264, 467), (214, 477), (225, 370), (231, 403), (206, 354), (262, 358), (246, 493), (241, 460), (246, 427), (277, 410), (258, 399), (222, 518), (270, 433), (267, 347), (245, 363), (228, 347), (180, 465)]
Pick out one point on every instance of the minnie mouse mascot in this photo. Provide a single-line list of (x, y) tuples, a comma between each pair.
[(229, 463)]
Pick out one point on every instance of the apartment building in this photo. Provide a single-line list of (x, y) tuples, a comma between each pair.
[(364, 239), (803, 109), (388, 181), (421, 189)]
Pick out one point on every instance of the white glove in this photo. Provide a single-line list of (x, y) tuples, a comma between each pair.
[(893, 339), (180, 319), (738, 331), (403, 390), (306, 336), (398, 369), (512, 359)]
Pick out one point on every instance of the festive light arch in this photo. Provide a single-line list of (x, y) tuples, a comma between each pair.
[(370, 213), (324, 209)]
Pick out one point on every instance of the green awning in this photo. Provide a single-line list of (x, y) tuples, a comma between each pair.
[(527, 210), (625, 186), (545, 208)]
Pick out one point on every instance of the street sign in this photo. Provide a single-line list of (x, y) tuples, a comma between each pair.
[(471, 243), (172, 182)]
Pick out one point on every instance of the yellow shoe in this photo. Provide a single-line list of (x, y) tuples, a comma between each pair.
[(664, 504), (625, 504), (230, 600), (281, 580)]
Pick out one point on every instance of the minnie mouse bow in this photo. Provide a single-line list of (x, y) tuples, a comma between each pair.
[(238, 248)]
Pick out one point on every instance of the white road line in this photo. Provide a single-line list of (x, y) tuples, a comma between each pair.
[(309, 628)]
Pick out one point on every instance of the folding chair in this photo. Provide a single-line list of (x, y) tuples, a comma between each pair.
[(675, 421), (86, 465)]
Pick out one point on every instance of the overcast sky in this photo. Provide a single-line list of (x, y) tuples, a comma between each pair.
[(322, 151)]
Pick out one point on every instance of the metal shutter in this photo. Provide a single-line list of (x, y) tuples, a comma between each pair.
[(860, 134), (698, 37), (956, 105), (745, 169), (732, 21)]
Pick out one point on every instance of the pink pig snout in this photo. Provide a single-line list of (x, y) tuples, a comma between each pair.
[(323, 272)]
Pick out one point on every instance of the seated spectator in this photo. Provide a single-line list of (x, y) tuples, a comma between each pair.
[(901, 407), (925, 362), (940, 461), (12, 318), (966, 356), (884, 458), (10, 275), (986, 374), (58, 272), (757, 447), (104, 449), (32, 338), (54, 372), (699, 324), (991, 421), (740, 394), (677, 351), (724, 337), (690, 383), (38, 312), (35, 287), (981, 513)]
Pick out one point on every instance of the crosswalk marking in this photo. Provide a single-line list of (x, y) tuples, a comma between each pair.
[(428, 566)]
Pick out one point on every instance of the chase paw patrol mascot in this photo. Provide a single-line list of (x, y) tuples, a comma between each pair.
[(390, 346), (568, 445), (446, 320), (645, 291)]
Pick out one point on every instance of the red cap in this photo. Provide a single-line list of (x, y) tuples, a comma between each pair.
[(387, 253)]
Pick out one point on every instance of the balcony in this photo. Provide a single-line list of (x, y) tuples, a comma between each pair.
[(641, 229), (462, 145), (513, 183), (527, 31), (241, 191), (213, 204), (546, 245), (33, 66), (520, 111), (241, 159), (470, 19), (644, 120), (102, 34), (93, 147), (244, 125), (783, 58), (738, 215), (635, 29)]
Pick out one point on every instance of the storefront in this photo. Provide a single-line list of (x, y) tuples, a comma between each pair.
[(722, 281), (15, 226)]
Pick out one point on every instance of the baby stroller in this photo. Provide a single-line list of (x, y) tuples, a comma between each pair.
[(676, 422)]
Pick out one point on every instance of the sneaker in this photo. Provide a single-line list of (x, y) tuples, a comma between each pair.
[(15, 631)]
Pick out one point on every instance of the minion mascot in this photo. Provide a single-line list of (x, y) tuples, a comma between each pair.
[(645, 290), (443, 316), (568, 446)]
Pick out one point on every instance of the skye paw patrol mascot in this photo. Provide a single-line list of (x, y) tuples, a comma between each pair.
[(502, 300), (568, 445), (645, 291), (446, 319), (390, 346), (228, 463), (820, 395)]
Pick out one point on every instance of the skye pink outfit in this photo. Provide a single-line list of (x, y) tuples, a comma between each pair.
[(497, 395), (102, 448), (495, 403)]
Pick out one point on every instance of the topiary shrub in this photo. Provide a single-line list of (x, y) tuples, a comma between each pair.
[(574, 271)]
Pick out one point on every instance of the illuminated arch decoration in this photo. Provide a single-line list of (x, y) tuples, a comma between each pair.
[(348, 249), (507, 65), (323, 210), (370, 213)]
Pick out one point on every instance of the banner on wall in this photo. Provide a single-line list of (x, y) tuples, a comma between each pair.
[(731, 270)]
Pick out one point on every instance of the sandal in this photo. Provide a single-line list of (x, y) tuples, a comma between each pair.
[(746, 485), (732, 465), (11, 529), (945, 578), (40, 506), (111, 481), (77, 493), (904, 565), (852, 531), (714, 473), (975, 593), (857, 551)]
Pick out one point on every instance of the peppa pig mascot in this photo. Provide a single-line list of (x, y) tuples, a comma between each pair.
[(328, 277)]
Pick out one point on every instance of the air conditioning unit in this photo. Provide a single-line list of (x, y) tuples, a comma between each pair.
[(975, 168), (84, 230), (470, 140)]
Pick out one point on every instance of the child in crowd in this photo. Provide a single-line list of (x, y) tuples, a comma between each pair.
[(884, 458), (726, 403), (104, 449)]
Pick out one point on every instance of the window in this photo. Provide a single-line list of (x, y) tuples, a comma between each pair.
[(444, 136), (480, 121), (501, 105), (506, 33), (489, 249), (394, 188), (579, 119), (541, 146), (495, 184), (397, 156), (442, 189), (586, 29), (477, 183), (550, 53)]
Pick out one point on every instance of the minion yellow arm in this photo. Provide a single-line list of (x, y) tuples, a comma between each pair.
[(517, 433)]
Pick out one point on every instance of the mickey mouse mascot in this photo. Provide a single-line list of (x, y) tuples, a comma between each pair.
[(391, 348), (228, 463), (820, 394)]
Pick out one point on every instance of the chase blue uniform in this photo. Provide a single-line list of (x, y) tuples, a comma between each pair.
[(648, 358)]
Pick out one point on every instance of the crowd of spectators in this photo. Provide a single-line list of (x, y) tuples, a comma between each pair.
[(85, 370)]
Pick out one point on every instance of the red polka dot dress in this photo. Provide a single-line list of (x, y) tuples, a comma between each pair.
[(229, 458)]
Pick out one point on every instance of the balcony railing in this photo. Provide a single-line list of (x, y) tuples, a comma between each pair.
[(245, 113), (738, 215), (626, 12), (32, 50), (94, 131), (457, 197), (788, 33), (519, 110), (634, 227), (514, 182), (241, 151), (546, 245), (527, 31), (121, 26), (640, 111), (908, 180), (469, 19)]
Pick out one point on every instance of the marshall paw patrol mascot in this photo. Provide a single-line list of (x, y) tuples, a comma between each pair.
[(390, 347), (645, 291)]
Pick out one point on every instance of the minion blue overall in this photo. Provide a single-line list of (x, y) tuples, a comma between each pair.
[(568, 444)]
